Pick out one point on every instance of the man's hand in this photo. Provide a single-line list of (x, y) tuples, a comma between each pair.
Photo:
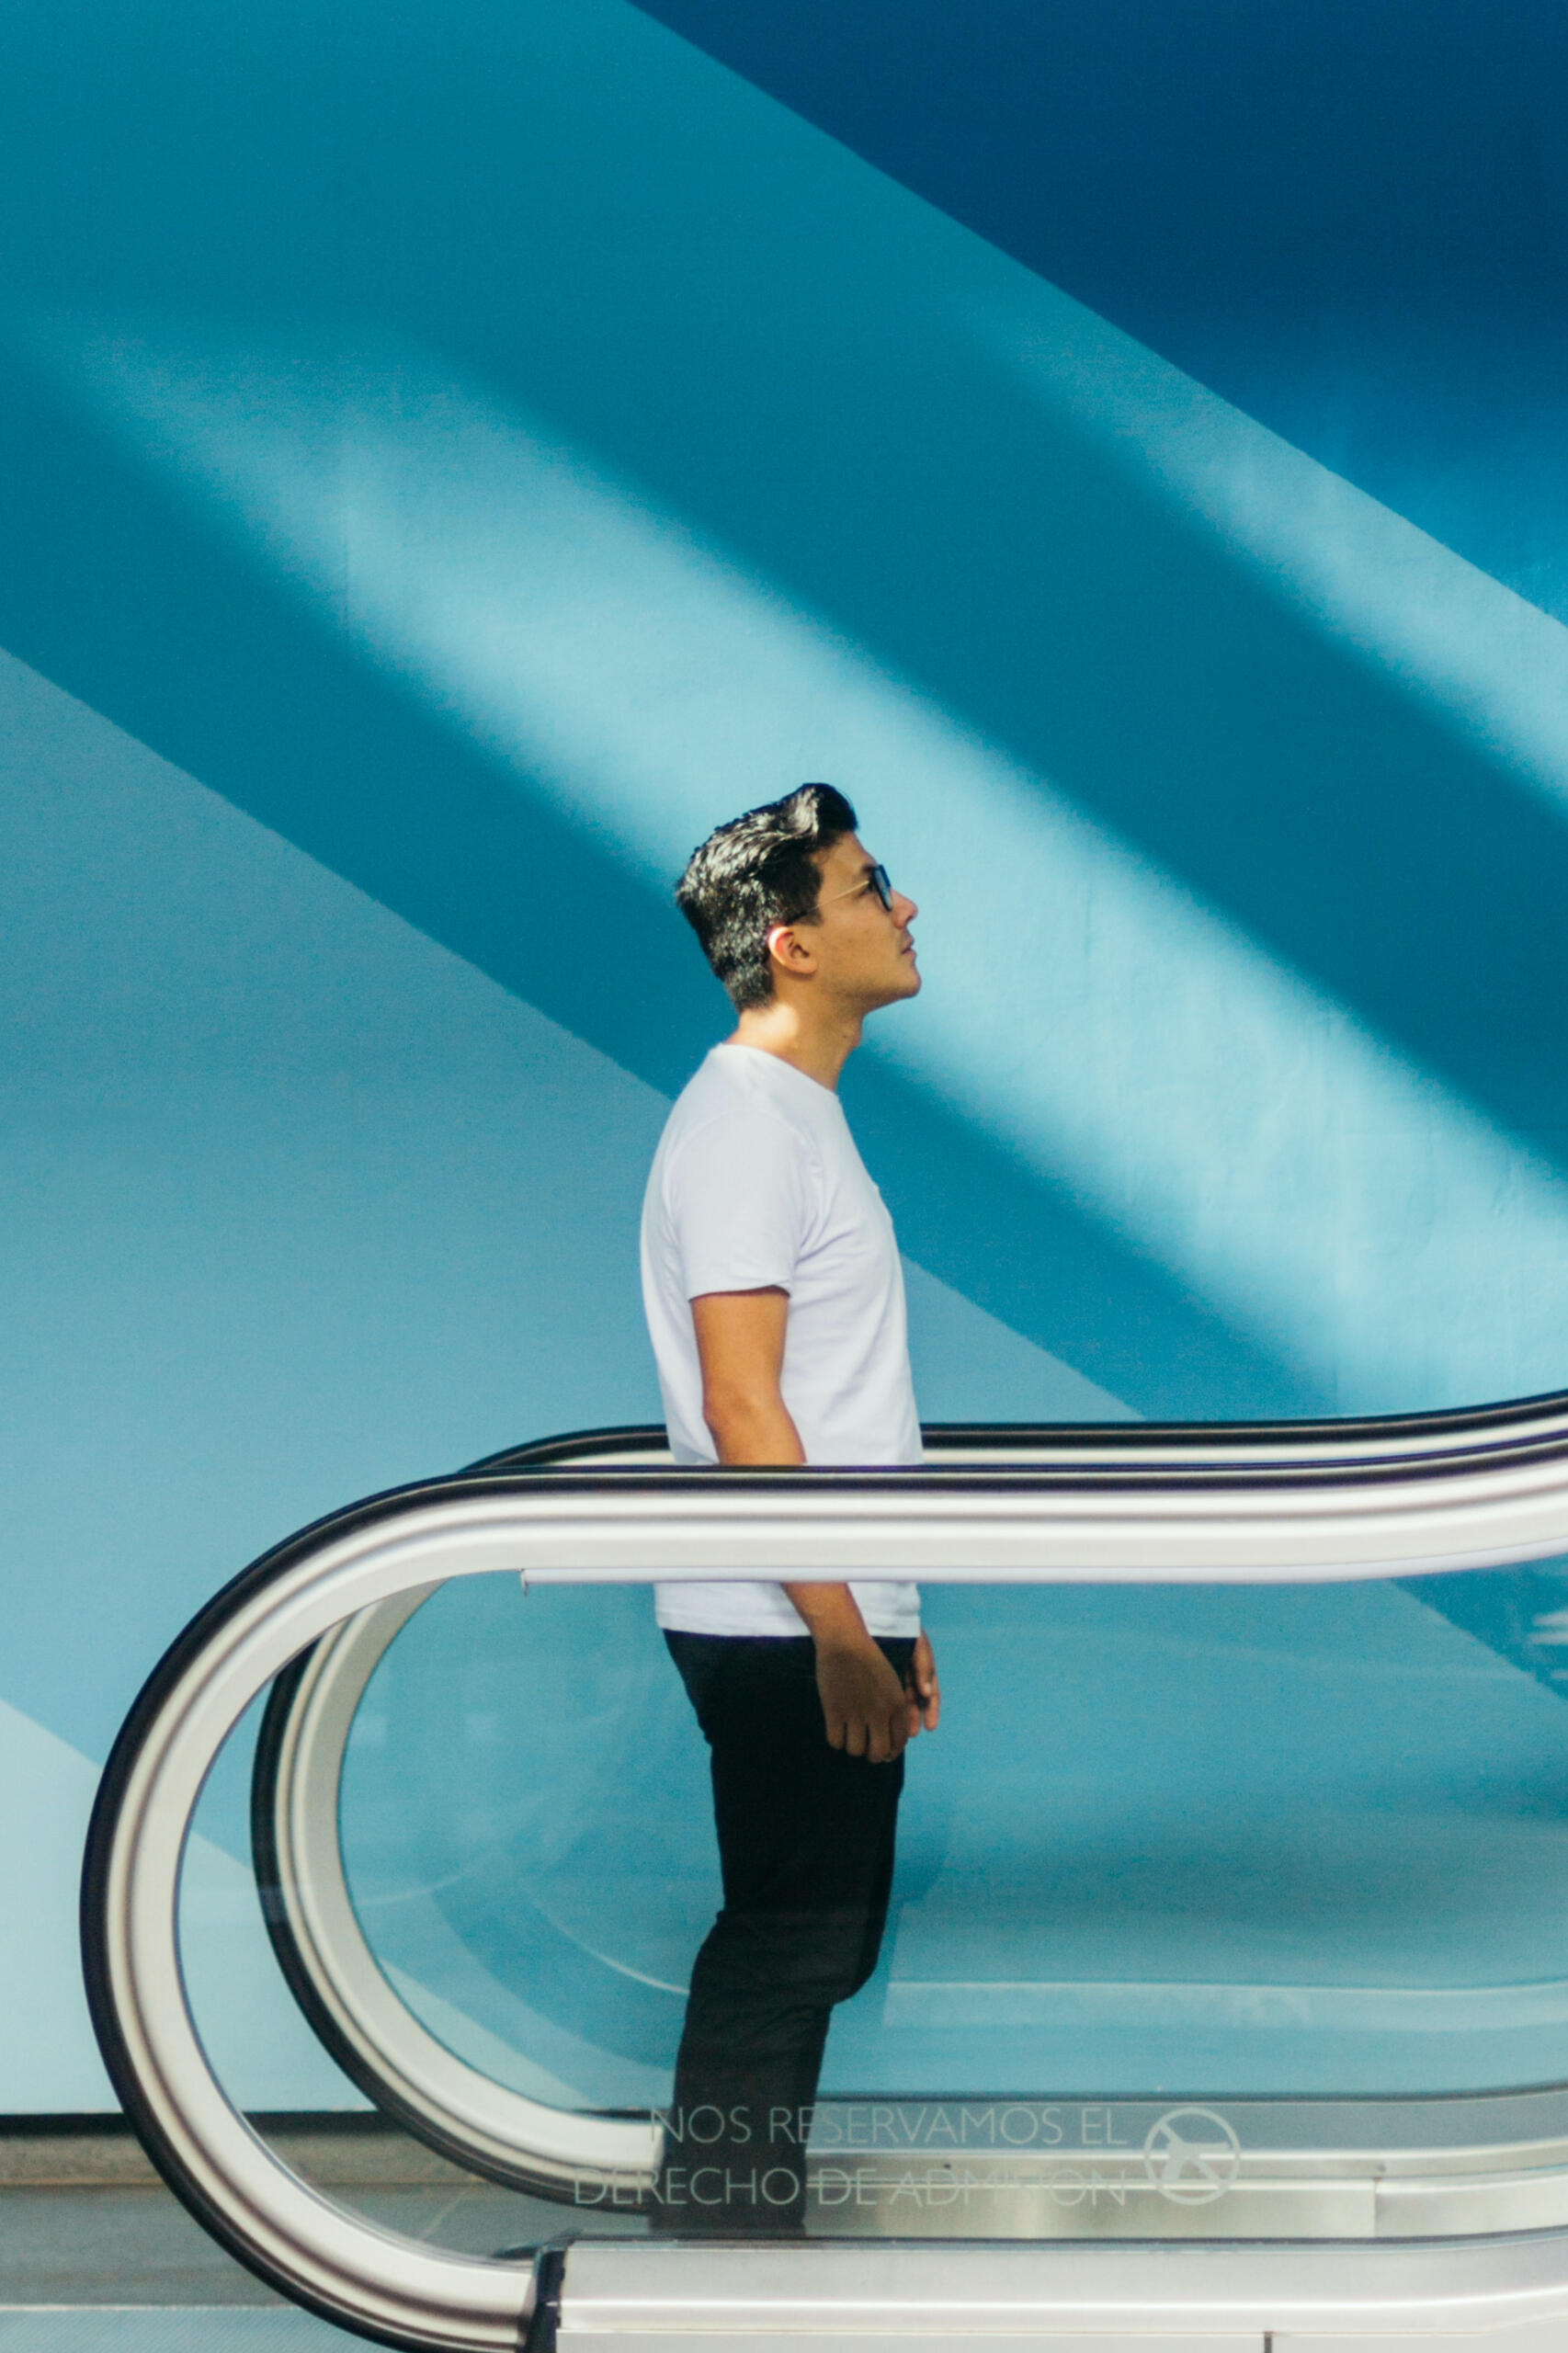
[(923, 1693), (868, 1709), (865, 1707)]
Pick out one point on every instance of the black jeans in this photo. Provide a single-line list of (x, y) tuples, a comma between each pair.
[(806, 1850)]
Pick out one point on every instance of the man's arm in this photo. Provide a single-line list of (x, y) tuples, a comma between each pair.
[(740, 1346), (740, 1343)]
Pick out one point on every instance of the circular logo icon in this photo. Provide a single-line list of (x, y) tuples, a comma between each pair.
[(1191, 2155)]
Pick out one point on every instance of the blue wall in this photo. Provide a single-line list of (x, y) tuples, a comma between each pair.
[(1351, 221), (450, 464)]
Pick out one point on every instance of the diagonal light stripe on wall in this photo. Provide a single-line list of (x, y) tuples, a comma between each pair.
[(1083, 1006)]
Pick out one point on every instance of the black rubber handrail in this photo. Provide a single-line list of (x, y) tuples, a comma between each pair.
[(1401, 1436)]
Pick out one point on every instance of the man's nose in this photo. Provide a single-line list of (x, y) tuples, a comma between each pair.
[(905, 910)]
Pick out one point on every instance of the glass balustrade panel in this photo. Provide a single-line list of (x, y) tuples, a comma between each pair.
[(1218, 1911)]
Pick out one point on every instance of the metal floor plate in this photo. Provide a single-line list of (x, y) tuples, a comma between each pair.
[(149, 2328)]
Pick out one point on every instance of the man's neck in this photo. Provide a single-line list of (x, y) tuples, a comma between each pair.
[(819, 1044)]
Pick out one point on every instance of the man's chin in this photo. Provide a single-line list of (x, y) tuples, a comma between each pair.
[(907, 985)]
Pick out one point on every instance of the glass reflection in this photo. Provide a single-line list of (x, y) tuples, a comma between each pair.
[(1202, 1894), (1250, 1841)]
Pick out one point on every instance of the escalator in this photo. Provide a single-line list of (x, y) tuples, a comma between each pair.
[(1225, 1994)]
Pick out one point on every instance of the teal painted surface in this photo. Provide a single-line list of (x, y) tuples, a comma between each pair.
[(764, 401), (447, 467), (1349, 222)]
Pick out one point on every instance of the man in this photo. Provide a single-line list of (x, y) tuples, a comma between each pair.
[(775, 1301)]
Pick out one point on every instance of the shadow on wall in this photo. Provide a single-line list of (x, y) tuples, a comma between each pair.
[(201, 654), (1350, 222), (792, 355)]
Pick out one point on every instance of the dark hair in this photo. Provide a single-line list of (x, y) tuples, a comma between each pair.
[(758, 871)]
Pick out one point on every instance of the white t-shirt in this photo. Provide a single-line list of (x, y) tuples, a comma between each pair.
[(756, 1182)]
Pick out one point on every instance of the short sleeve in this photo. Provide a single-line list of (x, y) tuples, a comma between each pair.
[(739, 1194)]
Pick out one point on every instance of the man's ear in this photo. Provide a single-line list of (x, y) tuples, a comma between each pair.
[(789, 947)]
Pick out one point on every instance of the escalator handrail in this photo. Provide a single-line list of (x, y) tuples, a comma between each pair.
[(1503, 1495), (1363, 1438)]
